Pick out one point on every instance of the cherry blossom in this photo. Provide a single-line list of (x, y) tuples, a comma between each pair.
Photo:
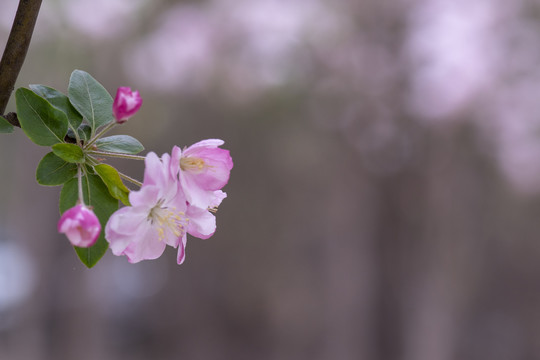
[(159, 215), (156, 217)]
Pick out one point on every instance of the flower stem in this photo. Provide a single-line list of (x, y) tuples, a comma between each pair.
[(130, 179), (117, 155), (92, 161), (79, 176), (100, 134)]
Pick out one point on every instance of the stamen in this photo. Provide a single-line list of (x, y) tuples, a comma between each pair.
[(193, 164), (167, 219)]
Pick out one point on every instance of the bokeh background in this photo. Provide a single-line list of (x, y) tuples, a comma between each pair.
[(384, 202)]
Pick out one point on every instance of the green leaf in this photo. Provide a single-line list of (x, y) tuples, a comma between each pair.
[(53, 171), (91, 99), (112, 179), (124, 144), (96, 195), (59, 101), (44, 124), (69, 152), (5, 126)]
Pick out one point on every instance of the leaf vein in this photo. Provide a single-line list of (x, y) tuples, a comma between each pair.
[(39, 117), (91, 102)]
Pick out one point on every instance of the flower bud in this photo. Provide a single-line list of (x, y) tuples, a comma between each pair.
[(126, 104), (80, 225)]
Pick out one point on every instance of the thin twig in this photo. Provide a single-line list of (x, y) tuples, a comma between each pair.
[(130, 179), (16, 48), (100, 134), (79, 176), (116, 155)]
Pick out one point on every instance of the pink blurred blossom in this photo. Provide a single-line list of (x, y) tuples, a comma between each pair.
[(451, 47), (250, 46), (179, 53), (101, 19)]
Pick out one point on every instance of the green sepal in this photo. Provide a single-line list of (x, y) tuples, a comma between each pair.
[(59, 101), (5, 126), (88, 169), (52, 170), (85, 132), (91, 99), (123, 144), (104, 205), (112, 179), (69, 152), (44, 124)]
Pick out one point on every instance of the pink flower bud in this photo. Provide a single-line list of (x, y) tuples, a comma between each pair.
[(126, 104), (80, 225)]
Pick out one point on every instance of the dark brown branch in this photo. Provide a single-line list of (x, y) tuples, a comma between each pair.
[(16, 48), (12, 118)]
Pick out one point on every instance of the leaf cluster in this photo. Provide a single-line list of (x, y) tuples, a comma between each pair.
[(72, 125)]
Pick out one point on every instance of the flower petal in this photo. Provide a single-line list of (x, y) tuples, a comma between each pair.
[(176, 155), (205, 143), (202, 223), (181, 256), (218, 197), (124, 227), (217, 167), (157, 172), (153, 172), (146, 197), (195, 195), (146, 247)]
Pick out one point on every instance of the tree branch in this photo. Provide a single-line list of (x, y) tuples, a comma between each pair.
[(16, 48)]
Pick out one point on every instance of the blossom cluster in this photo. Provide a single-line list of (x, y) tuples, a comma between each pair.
[(179, 195)]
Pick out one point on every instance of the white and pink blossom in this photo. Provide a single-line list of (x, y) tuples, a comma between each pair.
[(156, 217), (177, 197), (159, 215)]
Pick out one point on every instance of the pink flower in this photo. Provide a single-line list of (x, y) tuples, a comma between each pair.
[(159, 216), (80, 225), (156, 218), (203, 168), (126, 104)]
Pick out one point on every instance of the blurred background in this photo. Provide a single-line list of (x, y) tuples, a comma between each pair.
[(384, 202)]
